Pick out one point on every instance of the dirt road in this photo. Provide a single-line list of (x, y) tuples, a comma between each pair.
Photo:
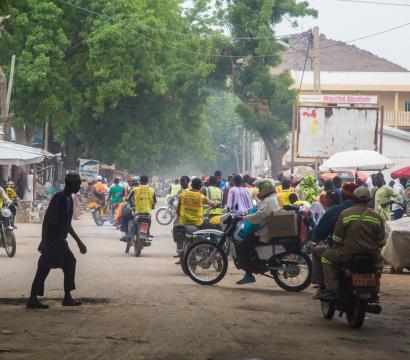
[(145, 308)]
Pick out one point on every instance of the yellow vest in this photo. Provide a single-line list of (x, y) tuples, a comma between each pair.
[(175, 189), (192, 208), (216, 194), (143, 199), (1, 201)]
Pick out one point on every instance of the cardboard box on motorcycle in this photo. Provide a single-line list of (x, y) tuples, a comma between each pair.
[(283, 224)]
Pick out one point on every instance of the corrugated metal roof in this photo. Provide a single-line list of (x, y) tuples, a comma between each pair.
[(16, 154)]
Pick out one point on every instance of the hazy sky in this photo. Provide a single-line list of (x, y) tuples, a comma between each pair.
[(346, 21)]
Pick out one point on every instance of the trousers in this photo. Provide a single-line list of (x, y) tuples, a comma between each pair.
[(43, 269), (317, 270), (245, 252), (338, 255)]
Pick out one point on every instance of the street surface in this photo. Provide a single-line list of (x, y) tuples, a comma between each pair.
[(145, 308)]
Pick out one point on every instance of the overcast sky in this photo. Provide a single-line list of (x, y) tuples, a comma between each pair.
[(345, 21)]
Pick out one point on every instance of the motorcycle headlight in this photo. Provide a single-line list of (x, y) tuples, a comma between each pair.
[(6, 213)]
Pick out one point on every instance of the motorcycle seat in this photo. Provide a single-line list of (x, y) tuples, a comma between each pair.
[(360, 264)]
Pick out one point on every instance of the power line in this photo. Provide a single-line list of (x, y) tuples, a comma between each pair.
[(369, 36), (374, 2)]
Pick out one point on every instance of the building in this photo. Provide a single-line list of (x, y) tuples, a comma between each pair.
[(346, 69)]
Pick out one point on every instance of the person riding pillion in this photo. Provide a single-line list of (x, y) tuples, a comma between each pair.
[(359, 230), (190, 209)]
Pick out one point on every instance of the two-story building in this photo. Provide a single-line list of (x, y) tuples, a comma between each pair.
[(347, 69)]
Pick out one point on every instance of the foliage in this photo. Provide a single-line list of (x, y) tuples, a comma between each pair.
[(124, 82), (266, 98)]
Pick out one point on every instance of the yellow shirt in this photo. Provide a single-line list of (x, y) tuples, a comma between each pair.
[(192, 208), (283, 197), (143, 199), (11, 194)]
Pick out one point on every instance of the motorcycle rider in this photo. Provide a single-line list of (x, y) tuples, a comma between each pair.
[(245, 250), (142, 198), (324, 231), (174, 188), (115, 195), (190, 209), (126, 211), (4, 199), (100, 189), (359, 230), (213, 192)]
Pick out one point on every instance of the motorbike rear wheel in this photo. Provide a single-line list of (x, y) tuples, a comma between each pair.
[(201, 268), (10, 243), (328, 309), (164, 216), (355, 313), (138, 245), (290, 279)]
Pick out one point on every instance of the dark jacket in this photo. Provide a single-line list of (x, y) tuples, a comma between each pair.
[(56, 224), (327, 223)]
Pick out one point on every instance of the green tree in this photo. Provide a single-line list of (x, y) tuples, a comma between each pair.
[(266, 98), (34, 33)]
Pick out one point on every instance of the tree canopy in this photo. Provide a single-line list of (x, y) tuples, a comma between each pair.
[(128, 82)]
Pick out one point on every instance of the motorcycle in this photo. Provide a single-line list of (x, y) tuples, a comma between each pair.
[(207, 263), (186, 235), (165, 215), (139, 236), (99, 213), (358, 292), (7, 237)]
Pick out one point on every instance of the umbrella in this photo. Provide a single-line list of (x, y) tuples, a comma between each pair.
[(401, 173), (365, 160)]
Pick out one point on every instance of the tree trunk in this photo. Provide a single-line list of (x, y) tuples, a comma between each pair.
[(70, 160), (275, 154), (20, 135)]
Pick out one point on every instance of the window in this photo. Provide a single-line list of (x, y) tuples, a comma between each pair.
[(407, 106)]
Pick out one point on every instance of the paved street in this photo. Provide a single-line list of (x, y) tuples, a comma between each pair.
[(145, 308)]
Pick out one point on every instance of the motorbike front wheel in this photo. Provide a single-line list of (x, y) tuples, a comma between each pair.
[(205, 263), (164, 216), (295, 272), (328, 309), (10, 243), (98, 219)]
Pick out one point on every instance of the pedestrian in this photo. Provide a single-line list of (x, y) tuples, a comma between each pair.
[(29, 190), (384, 197), (239, 200), (398, 209), (337, 184), (21, 185), (53, 247)]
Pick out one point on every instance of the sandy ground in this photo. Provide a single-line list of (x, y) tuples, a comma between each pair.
[(145, 308)]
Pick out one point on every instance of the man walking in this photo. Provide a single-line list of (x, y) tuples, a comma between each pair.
[(54, 249)]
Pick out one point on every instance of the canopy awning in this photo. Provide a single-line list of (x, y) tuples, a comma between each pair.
[(19, 155)]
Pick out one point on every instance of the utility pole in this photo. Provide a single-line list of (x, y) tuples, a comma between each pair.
[(316, 60), (4, 133)]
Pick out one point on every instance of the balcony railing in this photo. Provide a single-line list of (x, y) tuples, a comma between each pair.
[(399, 119)]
